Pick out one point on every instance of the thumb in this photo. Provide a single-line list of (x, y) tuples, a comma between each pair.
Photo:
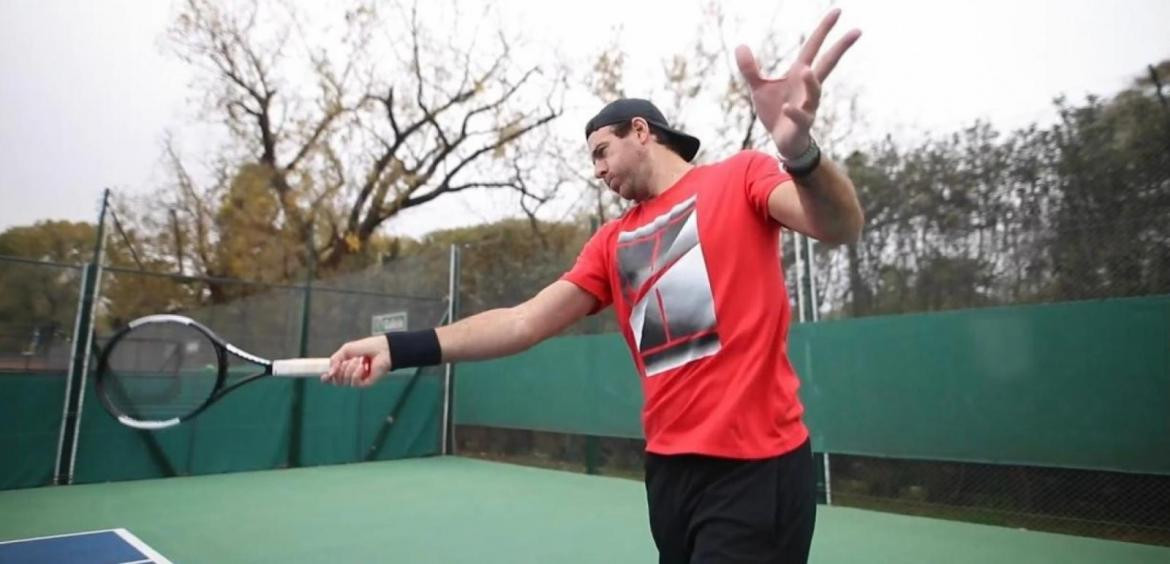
[(747, 65)]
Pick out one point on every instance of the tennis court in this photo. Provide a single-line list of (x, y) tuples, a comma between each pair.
[(453, 509)]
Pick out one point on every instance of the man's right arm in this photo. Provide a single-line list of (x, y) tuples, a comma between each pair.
[(502, 332), (491, 334)]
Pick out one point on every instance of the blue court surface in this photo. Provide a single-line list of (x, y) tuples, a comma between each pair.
[(116, 546)]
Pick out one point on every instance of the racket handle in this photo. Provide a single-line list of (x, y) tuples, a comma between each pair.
[(309, 367), (300, 367)]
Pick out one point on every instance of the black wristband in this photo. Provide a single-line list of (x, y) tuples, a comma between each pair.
[(414, 348)]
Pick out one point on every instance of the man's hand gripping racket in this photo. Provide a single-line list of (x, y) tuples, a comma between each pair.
[(359, 363)]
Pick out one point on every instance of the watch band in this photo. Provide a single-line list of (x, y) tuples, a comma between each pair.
[(804, 164)]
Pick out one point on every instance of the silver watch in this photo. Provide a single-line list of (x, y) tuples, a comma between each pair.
[(806, 162)]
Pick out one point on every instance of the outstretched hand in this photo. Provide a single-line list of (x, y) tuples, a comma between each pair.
[(788, 105)]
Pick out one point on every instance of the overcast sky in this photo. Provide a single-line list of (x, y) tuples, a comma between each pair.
[(87, 91)]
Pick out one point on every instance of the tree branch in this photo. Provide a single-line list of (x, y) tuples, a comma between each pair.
[(445, 185)]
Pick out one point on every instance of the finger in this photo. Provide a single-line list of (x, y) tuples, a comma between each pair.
[(353, 368), (809, 51), (335, 361), (829, 61), (803, 119), (367, 378), (747, 65), (360, 369), (812, 91)]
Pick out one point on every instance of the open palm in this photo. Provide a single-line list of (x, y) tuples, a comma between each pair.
[(788, 105)]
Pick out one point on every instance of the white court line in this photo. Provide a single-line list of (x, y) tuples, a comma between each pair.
[(61, 536), (142, 547)]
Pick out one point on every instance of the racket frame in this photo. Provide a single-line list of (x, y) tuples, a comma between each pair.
[(222, 349)]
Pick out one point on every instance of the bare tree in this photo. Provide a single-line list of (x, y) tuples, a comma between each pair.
[(346, 131)]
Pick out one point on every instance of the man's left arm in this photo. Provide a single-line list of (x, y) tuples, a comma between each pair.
[(822, 204), (820, 200)]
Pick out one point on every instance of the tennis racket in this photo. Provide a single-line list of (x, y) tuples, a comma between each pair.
[(162, 370)]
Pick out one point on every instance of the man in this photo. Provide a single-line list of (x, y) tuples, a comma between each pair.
[(694, 274)]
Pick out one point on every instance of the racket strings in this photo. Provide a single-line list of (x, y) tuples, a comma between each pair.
[(160, 371)]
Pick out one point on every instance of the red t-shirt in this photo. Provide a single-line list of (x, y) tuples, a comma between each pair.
[(695, 278)]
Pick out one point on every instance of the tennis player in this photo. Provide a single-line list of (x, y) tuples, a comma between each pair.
[(694, 274)]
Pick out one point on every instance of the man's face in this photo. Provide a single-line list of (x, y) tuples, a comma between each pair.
[(620, 162)]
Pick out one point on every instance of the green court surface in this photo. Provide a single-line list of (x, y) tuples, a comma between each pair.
[(450, 509)]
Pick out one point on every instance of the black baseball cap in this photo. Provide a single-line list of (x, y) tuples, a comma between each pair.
[(626, 109)]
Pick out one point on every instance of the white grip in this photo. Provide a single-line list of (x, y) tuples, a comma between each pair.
[(300, 367)]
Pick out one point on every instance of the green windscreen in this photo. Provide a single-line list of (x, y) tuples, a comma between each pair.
[(1077, 385)]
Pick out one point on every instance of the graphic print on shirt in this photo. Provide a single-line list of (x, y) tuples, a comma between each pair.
[(664, 275)]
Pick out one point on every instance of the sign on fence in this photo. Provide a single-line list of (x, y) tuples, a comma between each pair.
[(386, 322)]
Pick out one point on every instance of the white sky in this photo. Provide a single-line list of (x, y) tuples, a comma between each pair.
[(86, 90)]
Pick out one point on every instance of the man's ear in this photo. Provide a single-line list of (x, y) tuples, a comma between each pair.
[(641, 128)]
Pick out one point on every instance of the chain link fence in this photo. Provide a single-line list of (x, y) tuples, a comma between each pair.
[(1076, 211), (998, 266), (1114, 505), (39, 313), (38, 308), (894, 271)]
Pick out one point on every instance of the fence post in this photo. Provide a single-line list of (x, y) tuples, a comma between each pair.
[(297, 434), (447, 426), (79, 358), (592, 442), (814, 315)]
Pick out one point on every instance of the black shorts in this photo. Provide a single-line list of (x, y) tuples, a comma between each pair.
[(714, 510)]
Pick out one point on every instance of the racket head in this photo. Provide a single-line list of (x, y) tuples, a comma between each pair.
[(160, 370)]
